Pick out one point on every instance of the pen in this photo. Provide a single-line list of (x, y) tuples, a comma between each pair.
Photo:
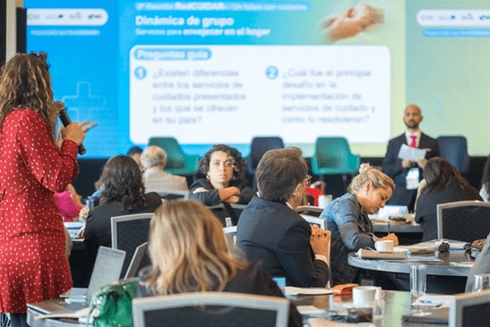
[(388, 227)]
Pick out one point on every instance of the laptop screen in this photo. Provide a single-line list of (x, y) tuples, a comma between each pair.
[(107, 269)]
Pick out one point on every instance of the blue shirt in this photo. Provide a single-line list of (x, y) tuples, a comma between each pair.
[(351, 230)]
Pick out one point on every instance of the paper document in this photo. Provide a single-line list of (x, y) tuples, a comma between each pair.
[(414, 248), (291, 290), (412, 154), (432, 300), (74, 315)]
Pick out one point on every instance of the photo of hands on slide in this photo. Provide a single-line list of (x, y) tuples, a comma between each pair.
[(352, 22)]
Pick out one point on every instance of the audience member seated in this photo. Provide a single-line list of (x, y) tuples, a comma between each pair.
[(348, 221), (485, 182), (135, 153), (225, 181), (271, 231), (154, 160), (69, 203), (481, 266), (442, 183), (188, 250), (123, 193)]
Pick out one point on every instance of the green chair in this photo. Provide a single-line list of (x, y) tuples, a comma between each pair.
[(178, 163), (333, 157)]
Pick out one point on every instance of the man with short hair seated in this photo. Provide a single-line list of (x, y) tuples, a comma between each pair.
[(154, 160), (271, 231)]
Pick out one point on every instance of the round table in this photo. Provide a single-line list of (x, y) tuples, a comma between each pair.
[(452, 263), (397, 305)]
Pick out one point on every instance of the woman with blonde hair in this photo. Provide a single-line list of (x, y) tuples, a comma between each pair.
[(348, 221), (188, 252)]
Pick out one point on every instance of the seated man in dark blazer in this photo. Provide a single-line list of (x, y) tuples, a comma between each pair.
[(271, 231), (397, 168)]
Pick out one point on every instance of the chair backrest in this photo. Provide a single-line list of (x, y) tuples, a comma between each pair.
[(320, 222), (128, 232), (260, 145), (175, 155), (309, 210), (332, 152), (469, 309), (463, 220), (174, 195), (455, 150), (214, 309)]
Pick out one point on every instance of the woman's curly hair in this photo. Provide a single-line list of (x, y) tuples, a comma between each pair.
[(25, 83), (239, 164), (122, 180)]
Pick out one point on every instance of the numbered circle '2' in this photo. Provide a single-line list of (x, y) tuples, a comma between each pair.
[(140, 72), (271, 72)]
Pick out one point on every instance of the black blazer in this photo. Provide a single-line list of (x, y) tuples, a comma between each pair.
[(426, 213), (279, 237), (98, 227), (211, 197), (392, 166)]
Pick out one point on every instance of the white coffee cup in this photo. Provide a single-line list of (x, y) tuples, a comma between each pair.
[(364, 296), (384, 246)]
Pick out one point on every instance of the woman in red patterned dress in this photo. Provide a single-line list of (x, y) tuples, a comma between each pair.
[(33, 263)]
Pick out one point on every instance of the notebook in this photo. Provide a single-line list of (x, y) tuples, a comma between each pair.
[(370, 254), (107, 269)]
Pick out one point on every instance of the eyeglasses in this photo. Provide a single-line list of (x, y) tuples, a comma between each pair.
[(308, 180)]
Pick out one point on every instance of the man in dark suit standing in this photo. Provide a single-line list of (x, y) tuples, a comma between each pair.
[(271, 231), (397, 168)]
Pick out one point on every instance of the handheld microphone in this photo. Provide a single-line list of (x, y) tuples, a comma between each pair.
[(65, 119)]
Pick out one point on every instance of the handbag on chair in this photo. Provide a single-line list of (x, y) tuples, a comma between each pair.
[(111, 305)]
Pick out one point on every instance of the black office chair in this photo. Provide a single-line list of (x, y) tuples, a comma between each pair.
[(260, 145), (128, 232), (214, 309), (223, 211), (455, 150), (465, 221)]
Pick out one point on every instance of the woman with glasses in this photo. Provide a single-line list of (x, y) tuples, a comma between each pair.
[(271, 231), (225, 181), (33, 263), (348, 221)]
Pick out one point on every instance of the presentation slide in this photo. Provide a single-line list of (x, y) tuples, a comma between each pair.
[(209, 72), (286, 90)]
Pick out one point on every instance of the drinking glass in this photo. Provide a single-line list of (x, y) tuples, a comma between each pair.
[(481, 282), (418, 281)]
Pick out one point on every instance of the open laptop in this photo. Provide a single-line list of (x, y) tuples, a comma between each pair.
[(107, 269), (138, 255)]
